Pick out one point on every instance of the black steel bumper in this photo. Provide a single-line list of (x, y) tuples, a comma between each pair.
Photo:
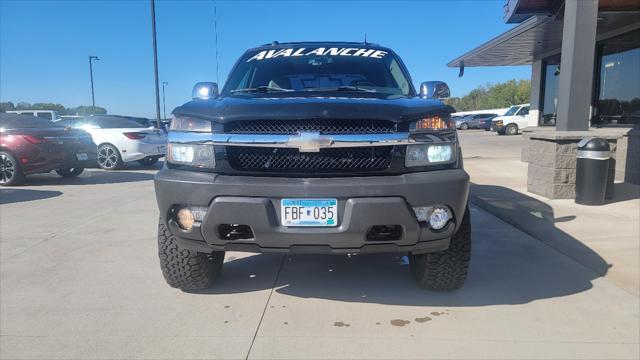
[(363, 202)]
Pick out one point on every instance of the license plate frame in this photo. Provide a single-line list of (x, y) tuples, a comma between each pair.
[(303, 212)]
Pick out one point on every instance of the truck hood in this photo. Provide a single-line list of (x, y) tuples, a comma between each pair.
[(233, 108)]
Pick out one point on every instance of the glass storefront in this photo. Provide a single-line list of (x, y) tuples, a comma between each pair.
[(551, 77), (618, 91)]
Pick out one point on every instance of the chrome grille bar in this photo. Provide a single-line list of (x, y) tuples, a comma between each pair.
[(303, 141)]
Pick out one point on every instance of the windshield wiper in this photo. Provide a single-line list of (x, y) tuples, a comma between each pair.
[(341, 88), (259, 89)]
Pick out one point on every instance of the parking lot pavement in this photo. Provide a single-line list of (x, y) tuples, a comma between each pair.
[(80, 279)]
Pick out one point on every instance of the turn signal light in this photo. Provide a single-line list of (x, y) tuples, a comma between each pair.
[(431, 123)]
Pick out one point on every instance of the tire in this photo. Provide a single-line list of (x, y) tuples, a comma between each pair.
[(445, 270), (511, 129), (148, 161), (70, 172), (186, 269), (464, 126), (109, 157), (10, 171)]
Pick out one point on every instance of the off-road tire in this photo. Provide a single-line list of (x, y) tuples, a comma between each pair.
[(445, 270), (148, 161), (186, 269), (70, 172), (11, 172), (511, 129)]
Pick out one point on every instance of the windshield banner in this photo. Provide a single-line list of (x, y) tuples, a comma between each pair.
[(272, 54)]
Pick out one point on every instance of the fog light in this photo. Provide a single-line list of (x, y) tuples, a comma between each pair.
[(439, 217), (185, 218)]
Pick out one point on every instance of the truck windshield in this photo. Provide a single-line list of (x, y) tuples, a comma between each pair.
[(318, 69), (512, 110)]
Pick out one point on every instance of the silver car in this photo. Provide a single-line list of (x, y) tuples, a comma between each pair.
[(472, 121)]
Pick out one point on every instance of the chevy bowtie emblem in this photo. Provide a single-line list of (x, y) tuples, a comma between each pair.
[(309, 141)]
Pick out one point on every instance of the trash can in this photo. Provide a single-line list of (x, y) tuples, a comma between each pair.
[(592, 168)]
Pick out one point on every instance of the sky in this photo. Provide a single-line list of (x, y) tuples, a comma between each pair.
[(44, 45)]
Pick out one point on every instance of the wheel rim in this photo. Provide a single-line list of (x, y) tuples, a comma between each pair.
[(7, 169), (107, 157), (511, 130)]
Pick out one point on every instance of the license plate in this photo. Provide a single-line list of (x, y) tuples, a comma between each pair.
[(162, 149), (82, 156), (309, 212)]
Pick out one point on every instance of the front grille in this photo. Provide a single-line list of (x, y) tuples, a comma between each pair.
[(327, 160), (323, 126)]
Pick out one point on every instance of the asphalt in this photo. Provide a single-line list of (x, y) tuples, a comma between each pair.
[(79, 278)]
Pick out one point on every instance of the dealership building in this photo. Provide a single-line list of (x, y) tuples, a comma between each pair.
[(585, 82)]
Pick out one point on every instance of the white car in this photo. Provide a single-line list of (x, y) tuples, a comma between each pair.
[(517, 117), (121, 139)]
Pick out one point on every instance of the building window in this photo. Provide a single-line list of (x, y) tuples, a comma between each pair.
[(618, 95), (551, 77)]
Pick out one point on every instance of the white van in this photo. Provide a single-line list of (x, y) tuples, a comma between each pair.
[(515, 118), (45, 114)]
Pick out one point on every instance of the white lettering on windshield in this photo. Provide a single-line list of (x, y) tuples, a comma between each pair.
[(271, 54)]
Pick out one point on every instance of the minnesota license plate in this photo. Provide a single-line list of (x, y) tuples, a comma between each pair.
[(82, 156), (309, 212)]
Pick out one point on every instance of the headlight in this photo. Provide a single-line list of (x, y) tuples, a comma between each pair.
[(426, 154), (202, 156), (437, 122), (182, 123)]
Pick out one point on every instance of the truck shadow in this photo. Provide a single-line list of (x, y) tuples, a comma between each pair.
[(508, 267)]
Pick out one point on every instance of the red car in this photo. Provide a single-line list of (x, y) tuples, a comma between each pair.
[(30, 145)]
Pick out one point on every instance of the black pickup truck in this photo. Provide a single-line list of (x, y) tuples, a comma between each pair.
[(314, 148)]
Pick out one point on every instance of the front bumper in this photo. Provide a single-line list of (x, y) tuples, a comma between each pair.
[(362, 203)]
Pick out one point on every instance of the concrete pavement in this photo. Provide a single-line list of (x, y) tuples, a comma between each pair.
[(79, 278), (604, 238)]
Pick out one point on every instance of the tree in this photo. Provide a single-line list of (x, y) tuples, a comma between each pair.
[(61, 109), (87, 110), (492, 96), (7, 106)]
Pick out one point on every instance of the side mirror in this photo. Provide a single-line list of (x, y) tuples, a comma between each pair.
[(205, 91), (434, 90)]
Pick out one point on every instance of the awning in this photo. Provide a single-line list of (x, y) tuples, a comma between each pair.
[(517, 46), (537, 36)]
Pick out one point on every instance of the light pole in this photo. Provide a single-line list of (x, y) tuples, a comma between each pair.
[(155, 61), (93, 97), (164, 105)]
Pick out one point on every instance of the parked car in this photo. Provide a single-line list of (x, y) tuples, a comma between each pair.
[(316, 148), (45, 114), (472, 121), (486, 123), (30, 145), (120, 140), (517, 117)]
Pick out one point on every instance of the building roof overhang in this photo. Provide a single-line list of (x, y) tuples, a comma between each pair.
[(537, 37)]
